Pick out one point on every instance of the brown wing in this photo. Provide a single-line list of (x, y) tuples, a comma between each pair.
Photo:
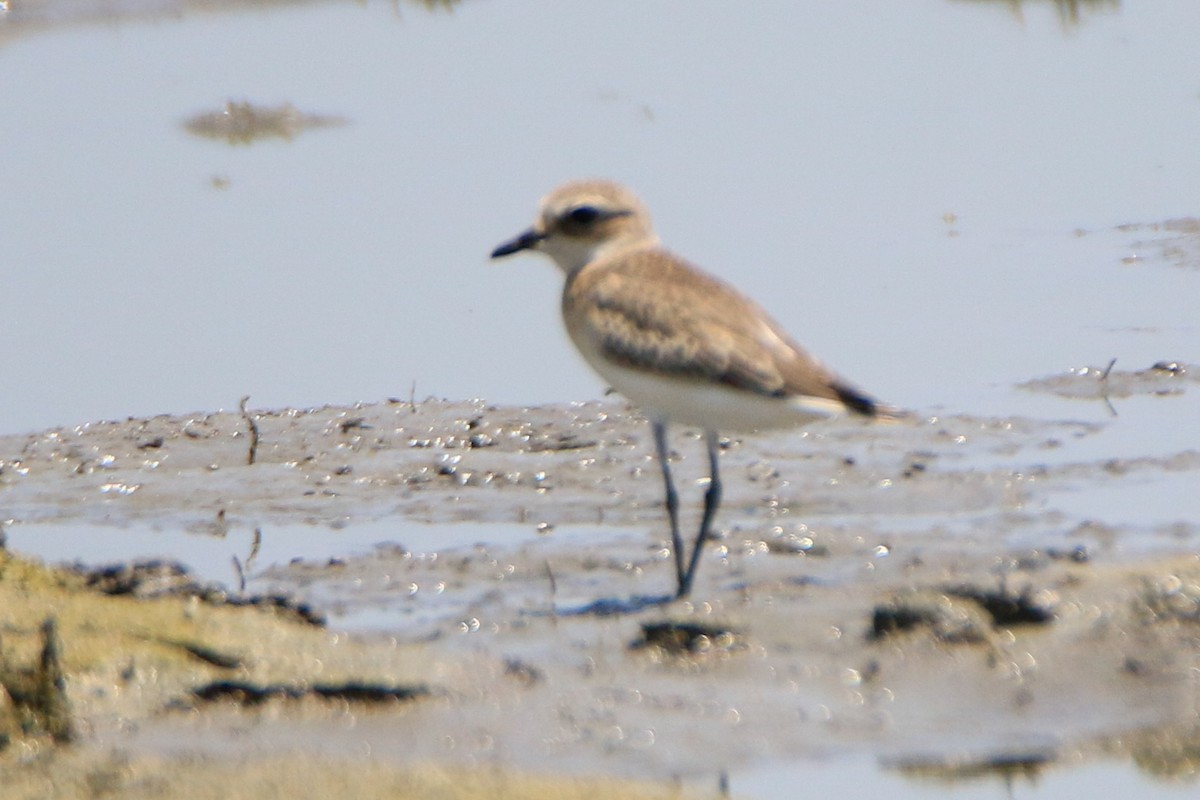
[(652, 310)]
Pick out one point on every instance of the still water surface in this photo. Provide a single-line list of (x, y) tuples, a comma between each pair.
[(925, 193)]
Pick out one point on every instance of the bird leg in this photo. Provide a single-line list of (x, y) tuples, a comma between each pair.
[(660, 442), (712, 499)]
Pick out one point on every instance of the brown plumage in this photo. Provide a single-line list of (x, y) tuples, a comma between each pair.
[(651, 310)]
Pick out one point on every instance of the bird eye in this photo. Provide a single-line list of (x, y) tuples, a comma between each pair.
[(583, 215)]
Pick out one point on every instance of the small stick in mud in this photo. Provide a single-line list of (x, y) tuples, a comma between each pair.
[(252, 455), (243, 568), (240, 571), (1104, 381), (255, 544)]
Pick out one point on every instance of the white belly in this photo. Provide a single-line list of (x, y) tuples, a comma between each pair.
[(711, 406)]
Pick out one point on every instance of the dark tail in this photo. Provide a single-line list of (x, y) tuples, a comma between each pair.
[(859, 402)]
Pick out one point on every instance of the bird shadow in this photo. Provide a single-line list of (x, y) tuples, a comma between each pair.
[(610, 606)]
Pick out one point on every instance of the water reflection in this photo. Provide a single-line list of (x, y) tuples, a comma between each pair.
[(37, 16), (1169, 753), (1153, 762), (1009, 769), (41, 15), (1070, 12)]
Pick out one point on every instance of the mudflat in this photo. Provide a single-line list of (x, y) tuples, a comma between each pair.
[(905, 591)]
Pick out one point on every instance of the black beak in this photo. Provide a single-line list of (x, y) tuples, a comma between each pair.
[(526, 241)]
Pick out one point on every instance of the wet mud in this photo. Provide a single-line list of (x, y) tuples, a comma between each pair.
[(906, 591), (243, 122)]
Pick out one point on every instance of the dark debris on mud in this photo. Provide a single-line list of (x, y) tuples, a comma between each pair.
[(247, 694), (154, 578), (687, 638), (33, 696), (957, 614)]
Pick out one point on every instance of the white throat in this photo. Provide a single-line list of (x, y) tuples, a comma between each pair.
[(572, 255)]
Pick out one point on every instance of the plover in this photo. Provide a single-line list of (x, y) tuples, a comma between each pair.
[(684, 346)]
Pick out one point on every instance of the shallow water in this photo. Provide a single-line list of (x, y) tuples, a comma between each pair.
[(868, 780), (928, 195)]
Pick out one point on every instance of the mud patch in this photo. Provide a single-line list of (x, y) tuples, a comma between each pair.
[(957, 614), (242, 122), (690, 638), (1174, 241), (1102, 383), (559, 645), (158, 578)]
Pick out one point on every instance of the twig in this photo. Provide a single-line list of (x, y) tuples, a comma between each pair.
[(243, 568), (253, 426), (255, 544), (553, 588), (1104, 380)]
